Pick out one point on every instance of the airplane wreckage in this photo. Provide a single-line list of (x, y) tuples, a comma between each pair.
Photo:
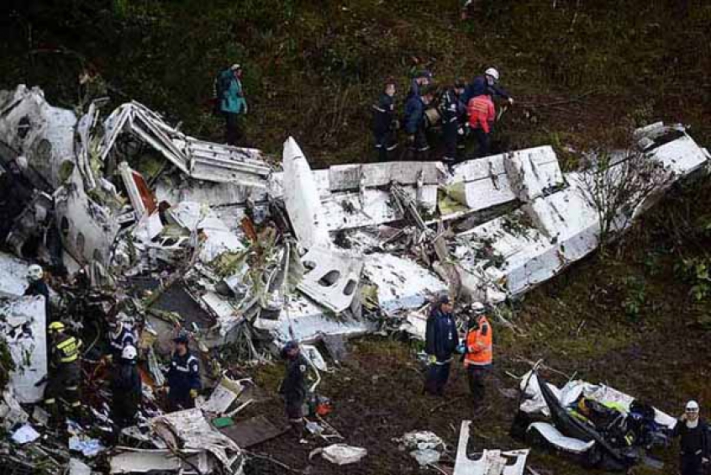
[(168, 230)]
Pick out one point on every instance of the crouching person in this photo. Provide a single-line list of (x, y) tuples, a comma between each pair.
[(293, 387), (126, 388)]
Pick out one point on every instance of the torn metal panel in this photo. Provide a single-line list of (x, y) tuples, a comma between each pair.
[(372, 175), (211, 194), (13, 276), (682, 156), (189, 430), (533, 172), (492, 462), (555, 438), (482, 183), (226, 164), (146, 461), (139, 194), (402, 284), (87, 229), (331, 278), (302, 200), (253, 431), (23, 322), (42, 133)]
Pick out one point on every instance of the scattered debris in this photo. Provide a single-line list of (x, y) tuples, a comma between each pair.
[(424, 446), (340, 454), (491, 462)]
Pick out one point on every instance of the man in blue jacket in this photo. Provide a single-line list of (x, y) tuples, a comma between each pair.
[(414, 122), (441, 341), (183, 376), (486, 84), (231, 101), (384, 122)]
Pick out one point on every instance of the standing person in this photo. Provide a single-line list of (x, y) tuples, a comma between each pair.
[(481, 121), (694, 442), (37, 286), (232, 104), (453, 110), (384, 122), (293, 387), (414, 122), (421, 80), (487, 84), (478, 355), (441, 340), (64, 373), (121, 335), (183, 376), (126, 388)]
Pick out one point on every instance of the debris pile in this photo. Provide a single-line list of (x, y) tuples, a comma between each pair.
[(138, 222)]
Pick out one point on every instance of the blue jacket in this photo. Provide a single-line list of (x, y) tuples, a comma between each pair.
[(414, 114), (183, 375), (118, 342), (479, 86), (441, 338), (232, 99)]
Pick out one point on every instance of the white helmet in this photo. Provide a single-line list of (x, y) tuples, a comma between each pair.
[(34, 273), (129, 353), (478, 308), (692, 406), (493, 73)]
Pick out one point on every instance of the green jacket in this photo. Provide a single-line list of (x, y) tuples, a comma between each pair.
[(232, 99)]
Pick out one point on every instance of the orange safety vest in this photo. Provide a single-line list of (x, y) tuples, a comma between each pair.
[(479, 345)]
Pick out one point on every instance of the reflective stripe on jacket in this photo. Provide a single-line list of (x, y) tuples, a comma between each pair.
[(479, 345), (66, 350), (481, 113)]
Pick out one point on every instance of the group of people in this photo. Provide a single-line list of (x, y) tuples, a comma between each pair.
[(463, 110), (442, 342), (62, 397)]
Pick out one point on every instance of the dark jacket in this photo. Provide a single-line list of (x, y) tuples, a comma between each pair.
[(117, 343), (39, 287), (414, 114), (126, 384), (293, 388), (441, 338), (480, 86), (452, 108), (694, 442), (184, 374), (384, 114)]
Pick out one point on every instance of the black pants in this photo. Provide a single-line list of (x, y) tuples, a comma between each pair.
[(477, 382), (451, 137), (437, 377), (233, 129), (690, 465), (384, 144), (124, 410), (484, 141), (179, 400)]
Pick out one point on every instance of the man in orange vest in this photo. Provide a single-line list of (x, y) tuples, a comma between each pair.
[(481, 121), (478, 354)]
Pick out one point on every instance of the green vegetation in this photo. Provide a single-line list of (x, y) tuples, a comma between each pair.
[(582, 72)]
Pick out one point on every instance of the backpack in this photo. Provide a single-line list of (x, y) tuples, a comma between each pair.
[(219, 86)]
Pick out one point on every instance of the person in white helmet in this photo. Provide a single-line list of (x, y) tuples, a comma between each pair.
[(488, 84), (37, 286), (126, 388), (694, 444)]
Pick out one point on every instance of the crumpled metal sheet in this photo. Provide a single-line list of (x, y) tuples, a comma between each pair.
[(492, 462)]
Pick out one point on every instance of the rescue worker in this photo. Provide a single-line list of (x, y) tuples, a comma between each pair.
[(487, 84), (414, 122), (384, 122), (421, 80), (293, 387), (126, 388), (35, 276), (478, 355), (441, 340), (694, 440), (183, 376), (64, 373), (232, 104), (481, 121), (453, 110), (121, 335)]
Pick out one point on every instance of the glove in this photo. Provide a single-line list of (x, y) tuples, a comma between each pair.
[(461, 349), (193, 393), (460, 131), (411, 138), (432, 359), (107, 359), (511, 101)]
